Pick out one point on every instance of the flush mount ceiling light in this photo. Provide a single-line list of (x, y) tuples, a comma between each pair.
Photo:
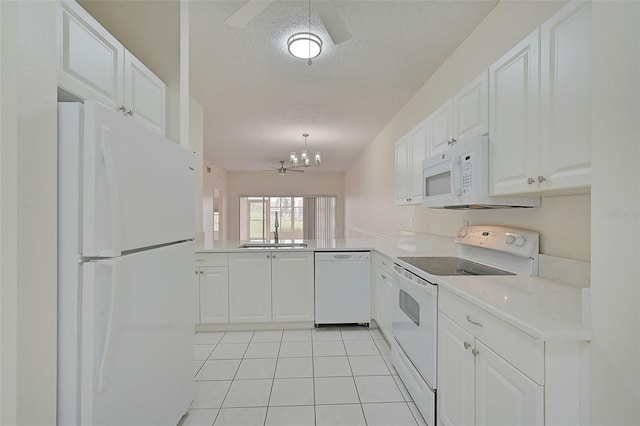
[(305, 45), (304, 160)]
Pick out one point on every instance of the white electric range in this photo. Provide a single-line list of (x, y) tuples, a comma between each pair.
[(483, 250)]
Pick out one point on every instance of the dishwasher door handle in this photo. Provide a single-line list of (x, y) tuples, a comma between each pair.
[(342, 256)]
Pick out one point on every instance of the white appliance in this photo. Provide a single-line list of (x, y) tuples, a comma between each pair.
[(126, 200), (342, 287), (484, 250), (458, 178)]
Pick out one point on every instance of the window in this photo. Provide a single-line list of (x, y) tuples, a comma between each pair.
[(298, 217)]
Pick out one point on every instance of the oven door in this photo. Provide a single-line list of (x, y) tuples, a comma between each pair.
[(415, 313)]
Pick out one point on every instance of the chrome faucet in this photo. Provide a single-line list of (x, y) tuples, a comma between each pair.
[(275, 233)]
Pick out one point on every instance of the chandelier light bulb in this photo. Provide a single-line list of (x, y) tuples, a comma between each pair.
[(318, 160)]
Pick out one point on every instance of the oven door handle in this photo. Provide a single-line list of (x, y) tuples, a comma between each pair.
[(431, 289)]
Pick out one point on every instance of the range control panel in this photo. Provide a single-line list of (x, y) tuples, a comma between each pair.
[(520, 242)]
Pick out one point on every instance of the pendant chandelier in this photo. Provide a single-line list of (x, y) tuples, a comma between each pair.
[(304, 160)]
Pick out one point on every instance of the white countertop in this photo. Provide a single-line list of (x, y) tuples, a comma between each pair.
[(540, 307)]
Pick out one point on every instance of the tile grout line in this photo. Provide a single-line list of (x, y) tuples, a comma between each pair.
[(273, 380), (354, 381)]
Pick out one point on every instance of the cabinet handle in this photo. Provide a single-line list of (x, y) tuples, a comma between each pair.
[(384, 263), (268, 256), (122, 109), (273, 256), (201, 272), (467, 345), (541, 179), (475, 352), (199, 260), (531, 181), (196, 272), (130, 113), (473, 322), (383, 276)]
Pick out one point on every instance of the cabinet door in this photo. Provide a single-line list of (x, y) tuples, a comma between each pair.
[(144, 94), (471, 109), (249, 287), (382, 304), (387, 305), (417, 154), (513, 118), (90, 60), (505, 396), (214, 295), (292, 286), (441, 128), (565, 157), (455, 374), (402, 171)]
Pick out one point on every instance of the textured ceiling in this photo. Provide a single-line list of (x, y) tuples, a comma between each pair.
[(258, 99)]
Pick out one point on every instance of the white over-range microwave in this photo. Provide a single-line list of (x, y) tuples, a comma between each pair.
[(458, 178)]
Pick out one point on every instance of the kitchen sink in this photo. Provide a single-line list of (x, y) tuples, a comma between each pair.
[(272, 245)]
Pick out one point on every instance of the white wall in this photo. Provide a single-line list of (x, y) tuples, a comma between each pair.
[(215, 180), (8, 215), (615, 227), (28, 261), (196, 131), (263, 184), (369, 185)]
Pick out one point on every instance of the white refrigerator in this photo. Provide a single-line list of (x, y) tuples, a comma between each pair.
[(126, 199)]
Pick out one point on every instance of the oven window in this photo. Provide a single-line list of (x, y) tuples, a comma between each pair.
[(438, 184), (410, 307)]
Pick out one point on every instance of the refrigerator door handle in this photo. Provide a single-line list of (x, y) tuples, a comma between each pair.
[(114, 196), (104, 357)]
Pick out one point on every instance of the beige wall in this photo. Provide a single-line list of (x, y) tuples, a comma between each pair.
[(28, 260), (263, 183), (215, 185), (615, 227), (563, 222), (196, 130)]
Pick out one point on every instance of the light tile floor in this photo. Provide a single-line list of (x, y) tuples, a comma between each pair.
[(334, 376)]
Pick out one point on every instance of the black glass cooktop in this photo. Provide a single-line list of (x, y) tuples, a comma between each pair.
[(452, 266)]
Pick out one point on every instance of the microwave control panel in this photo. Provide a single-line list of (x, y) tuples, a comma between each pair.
[(467, 172)]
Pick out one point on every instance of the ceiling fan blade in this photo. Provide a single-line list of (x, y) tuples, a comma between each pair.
[(294, 170), (332, 21), (241, 17)]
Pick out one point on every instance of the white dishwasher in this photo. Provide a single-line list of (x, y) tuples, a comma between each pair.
[(342, 287)]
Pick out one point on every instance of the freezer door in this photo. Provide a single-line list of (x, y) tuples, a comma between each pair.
[(138, 188), (137, 336)]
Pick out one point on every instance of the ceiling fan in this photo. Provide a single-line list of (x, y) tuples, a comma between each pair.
[(327, 11), (282, 169)]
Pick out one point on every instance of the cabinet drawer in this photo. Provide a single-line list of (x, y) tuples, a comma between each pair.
[(212, 259), (382, 262), (521, 350)]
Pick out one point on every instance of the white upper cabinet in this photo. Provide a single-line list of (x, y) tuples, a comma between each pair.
[(441, 129), (90, 59), (465, 115), (402, 170), (565, 140), (92, 64), (144, 94), (471, 109), (513, 117), (540, 108), (411, 150)]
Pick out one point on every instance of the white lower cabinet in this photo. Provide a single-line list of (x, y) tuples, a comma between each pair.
[(492, 373), (270, 286), (212, 288), (292, 286), (478, 387), (249, 287), (382, 282), (214, 295)]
